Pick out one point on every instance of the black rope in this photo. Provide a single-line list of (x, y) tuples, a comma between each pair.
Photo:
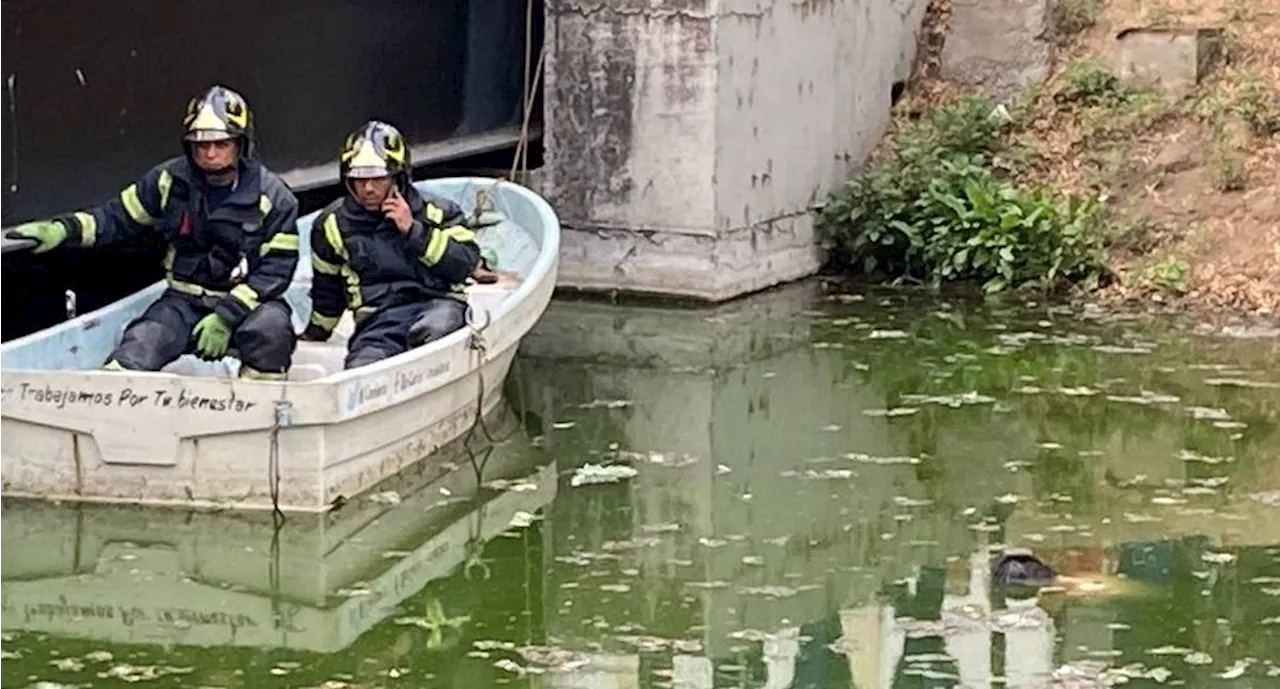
[(477, 344), (273, 468)]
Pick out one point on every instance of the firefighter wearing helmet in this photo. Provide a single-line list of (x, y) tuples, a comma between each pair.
[(216, 206), (398, 259)]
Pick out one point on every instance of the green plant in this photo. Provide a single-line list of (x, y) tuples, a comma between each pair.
[(1168, 274), (1137, 235), (1241, 10), (1259, 108), (1074, 16), (934, 211), (1091, 83), (1141, 112), (1160, 14), (1230, 48), (1229, 173)]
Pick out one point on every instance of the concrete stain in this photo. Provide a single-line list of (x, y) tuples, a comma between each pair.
[(595, 82)]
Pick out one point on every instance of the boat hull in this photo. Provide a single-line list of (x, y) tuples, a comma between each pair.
[(74, 432)]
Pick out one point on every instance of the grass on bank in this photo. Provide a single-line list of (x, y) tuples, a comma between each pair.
[(951, 199)]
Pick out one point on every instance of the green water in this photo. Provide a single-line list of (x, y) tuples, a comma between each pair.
[(815, 485)]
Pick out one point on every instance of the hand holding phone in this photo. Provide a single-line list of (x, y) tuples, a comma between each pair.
[(396, 209)]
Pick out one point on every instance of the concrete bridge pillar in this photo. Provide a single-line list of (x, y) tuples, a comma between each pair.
[(687, 139)]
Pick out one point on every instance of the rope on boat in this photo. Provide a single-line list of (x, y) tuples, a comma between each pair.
[(520, 161), (283, 417), (484, 198), (477, 344), (522, 146), (273, 474), (475, 543), (474, 547)]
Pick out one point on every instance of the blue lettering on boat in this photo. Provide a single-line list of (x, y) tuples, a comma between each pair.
[(406, 380)]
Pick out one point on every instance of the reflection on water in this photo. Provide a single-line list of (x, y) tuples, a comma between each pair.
[(386, 587), (795, 490)]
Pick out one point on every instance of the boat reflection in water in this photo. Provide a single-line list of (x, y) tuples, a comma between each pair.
[(122, 575)]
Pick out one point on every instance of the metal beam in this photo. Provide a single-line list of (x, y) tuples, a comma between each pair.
[(303, 179)]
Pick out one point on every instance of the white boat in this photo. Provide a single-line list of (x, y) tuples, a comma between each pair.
[(195, 434), (123, 574)]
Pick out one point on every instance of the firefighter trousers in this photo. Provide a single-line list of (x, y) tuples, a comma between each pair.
[(264, 342), (395, 329)]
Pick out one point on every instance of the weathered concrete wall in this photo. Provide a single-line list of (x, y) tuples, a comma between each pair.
[(1174, 59), (687, 140), (998, 46)]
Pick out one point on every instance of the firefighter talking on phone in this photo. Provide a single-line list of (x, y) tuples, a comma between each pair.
[(397, 259)]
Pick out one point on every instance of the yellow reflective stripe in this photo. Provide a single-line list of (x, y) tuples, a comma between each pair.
[(165, 184), (334, 236), (326, 322), (255, 374), (88, 228), (186, 287), (435, 248), (362, 313), (439, 242), (354, 300), (322, 266), (433, 213), (245, 295), (280, 242), (182, 285), (114, 365), (458, 233), (191, 288), (133, 205), (264, 204)]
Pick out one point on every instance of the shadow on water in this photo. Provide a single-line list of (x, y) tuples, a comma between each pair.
[(800, 489)]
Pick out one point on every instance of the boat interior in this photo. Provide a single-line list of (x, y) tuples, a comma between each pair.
[(84, 342), (313, 360)]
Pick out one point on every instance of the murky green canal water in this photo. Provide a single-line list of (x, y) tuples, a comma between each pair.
[(802, 490)]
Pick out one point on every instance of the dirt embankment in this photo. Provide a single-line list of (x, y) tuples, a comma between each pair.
[(1192, 177)]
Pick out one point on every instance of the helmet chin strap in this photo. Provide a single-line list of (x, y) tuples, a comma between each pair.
[(225, 170)]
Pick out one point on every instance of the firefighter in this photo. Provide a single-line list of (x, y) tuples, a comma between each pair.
[(215, 206), (397, 259)]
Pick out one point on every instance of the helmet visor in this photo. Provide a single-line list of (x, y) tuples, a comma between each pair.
[(368, 172), (208, 135)]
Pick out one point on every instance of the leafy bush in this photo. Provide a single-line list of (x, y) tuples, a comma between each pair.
[(1229, 173), (1090, 82), (1259, 107), (933, 211), (1074, 16)]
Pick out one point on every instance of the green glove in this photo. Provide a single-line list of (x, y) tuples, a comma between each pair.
[(212, 337), (490, 258), (47, 233)]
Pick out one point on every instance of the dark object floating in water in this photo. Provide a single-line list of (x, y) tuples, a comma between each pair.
[(1022, 570)]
